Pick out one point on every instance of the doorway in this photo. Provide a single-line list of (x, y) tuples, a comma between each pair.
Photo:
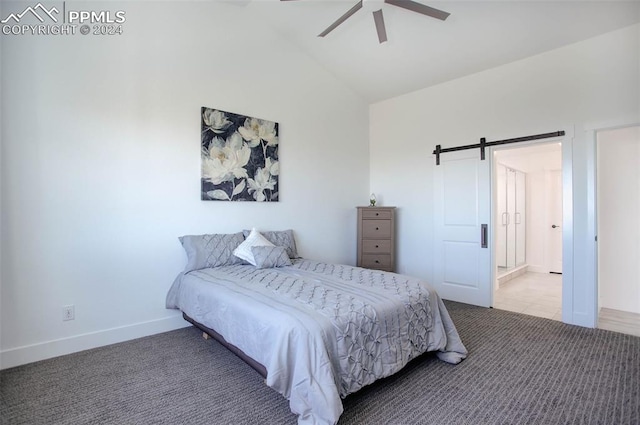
[(527, 183), (618, 230)]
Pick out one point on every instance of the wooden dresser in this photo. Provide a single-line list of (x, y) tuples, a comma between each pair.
[(376, 238)]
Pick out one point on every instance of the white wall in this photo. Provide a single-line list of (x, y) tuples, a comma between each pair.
[(618, 225), (590, 81), (101, 166)]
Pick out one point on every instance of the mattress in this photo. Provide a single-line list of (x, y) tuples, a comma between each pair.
[(322, 331)]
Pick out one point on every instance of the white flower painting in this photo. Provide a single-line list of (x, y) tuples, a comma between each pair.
[(239, 157)]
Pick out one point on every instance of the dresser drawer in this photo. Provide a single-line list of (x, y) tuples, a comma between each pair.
[(376, 261), (374, 246), (372, 229), (376, 214)]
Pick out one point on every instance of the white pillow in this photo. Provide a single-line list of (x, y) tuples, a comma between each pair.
[(244, 249)]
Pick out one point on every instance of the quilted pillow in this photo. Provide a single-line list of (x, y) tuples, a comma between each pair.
[(243, 251), (270, 256), (283, 238), (214, 250)]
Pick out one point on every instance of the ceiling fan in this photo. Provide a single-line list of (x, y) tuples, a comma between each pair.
[(378, 18)]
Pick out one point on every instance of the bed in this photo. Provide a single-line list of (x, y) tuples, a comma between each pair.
[(318, 331)]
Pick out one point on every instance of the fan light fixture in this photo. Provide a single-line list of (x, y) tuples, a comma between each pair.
[(378, 17)]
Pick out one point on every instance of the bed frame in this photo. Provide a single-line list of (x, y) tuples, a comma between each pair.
[(208, 332)]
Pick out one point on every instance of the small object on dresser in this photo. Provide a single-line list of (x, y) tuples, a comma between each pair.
[(372, 200), (376, 238)]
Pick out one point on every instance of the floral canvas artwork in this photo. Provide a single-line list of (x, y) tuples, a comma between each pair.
[(239, 157)]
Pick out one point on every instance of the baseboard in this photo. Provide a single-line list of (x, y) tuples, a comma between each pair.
[(59, 347), (538, 269)]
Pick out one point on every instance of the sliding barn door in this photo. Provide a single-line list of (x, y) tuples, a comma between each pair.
[(462, 213)]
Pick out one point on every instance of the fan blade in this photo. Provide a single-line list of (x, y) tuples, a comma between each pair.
[(343, 18), (420, 8), (379, 20)]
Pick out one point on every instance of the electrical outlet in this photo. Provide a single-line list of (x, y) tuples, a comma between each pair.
[(68, 312)]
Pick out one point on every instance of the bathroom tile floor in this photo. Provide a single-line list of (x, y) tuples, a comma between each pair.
[(536, 294)]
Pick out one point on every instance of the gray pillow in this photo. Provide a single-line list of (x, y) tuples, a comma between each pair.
[(283, 238), (270, 256), (215, 250)]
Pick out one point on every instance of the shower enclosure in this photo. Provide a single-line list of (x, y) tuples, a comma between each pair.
[(511, 219)]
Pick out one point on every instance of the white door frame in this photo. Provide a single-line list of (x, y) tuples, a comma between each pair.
[(591, 139), (567, 220), (568, 284)]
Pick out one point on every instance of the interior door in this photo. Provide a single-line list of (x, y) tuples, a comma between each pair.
[(555, 222), (462, 215)]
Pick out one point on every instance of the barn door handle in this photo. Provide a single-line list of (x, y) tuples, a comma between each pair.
[(483, 235)]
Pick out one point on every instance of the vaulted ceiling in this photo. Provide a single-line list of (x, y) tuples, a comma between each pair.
[(422, 51)]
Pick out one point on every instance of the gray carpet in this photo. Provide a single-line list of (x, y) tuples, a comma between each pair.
[(521, 370)]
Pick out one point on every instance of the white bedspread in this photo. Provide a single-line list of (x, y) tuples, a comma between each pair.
[(321, 330)]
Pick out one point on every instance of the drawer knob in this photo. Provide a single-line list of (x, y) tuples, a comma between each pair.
[(377, 262), (377, 246), (377, 228), (377, 214)]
